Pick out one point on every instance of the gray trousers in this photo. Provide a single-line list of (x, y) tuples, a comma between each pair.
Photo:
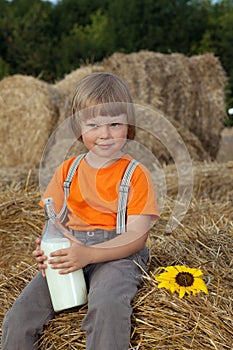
[(111, 287)]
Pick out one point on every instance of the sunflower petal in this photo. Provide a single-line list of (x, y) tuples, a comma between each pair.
[(199, 284), (163, 276), (182, 292), (180, 268), (164, 284), (174, 288), (197, 273), (171, 270), (195, 291)]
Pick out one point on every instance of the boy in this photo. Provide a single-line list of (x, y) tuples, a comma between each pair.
[(103, 118)]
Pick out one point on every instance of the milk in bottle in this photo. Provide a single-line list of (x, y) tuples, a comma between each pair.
[(66, 290)]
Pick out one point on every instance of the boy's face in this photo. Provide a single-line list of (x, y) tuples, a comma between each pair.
[(105, 135)]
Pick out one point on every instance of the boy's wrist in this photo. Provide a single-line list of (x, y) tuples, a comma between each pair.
[(93, 255)]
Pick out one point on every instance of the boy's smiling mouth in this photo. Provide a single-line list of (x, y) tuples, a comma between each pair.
[(105, 145)]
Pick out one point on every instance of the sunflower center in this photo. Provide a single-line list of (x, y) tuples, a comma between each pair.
[(184, 279)]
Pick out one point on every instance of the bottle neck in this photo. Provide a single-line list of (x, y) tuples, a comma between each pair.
[(49, 211)]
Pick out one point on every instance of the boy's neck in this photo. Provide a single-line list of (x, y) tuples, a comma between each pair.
[(101, 162)]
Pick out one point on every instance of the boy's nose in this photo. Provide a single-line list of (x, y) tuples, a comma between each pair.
[(104, 131)]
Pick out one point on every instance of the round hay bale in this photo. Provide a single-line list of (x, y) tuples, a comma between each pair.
[(203, 240), (28, 113), (134, 69), (18, 175), (21, 222), (209, 114), (211, 181), (225, 152), (189, 90), (59, 144), (149, 137), (66, 87)]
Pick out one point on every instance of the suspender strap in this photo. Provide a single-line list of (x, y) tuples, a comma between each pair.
[(123, 197), (62, 214)]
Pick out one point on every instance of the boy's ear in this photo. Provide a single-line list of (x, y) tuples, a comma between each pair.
[(131, 132)]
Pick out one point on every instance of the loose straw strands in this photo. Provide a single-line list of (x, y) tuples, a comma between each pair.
[(160, 320)]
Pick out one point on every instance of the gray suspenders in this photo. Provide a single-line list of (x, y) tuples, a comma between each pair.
[(123, 197), (123, 192), (62, 214)]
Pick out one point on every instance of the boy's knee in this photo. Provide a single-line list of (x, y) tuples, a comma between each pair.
[(14, 319), (109, 303), (10, 326), (17, 332), (5, 322), (110, 314), (10, 320)]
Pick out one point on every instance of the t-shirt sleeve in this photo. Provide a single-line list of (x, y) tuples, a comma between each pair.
[(55, 190), (142, 199)]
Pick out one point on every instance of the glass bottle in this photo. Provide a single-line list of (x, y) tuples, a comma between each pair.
[(66, 290)]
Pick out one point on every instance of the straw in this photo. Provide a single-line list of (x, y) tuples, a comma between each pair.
[(160, 320)]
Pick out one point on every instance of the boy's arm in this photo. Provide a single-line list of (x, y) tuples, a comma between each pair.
[(125, 244), (79, 255)]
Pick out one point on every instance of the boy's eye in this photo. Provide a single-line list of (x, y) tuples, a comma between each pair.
[(92, 125), (115, 124)]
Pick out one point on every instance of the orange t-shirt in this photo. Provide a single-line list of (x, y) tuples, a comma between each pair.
[(93, 197)]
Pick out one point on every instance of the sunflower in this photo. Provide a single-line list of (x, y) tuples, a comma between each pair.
[(181, 279)]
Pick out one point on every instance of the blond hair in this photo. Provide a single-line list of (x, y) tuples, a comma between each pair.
[(104, 93)]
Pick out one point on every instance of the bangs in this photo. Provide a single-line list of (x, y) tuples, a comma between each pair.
[(112, 109)]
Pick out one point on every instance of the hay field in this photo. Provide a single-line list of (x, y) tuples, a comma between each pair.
[(190, 92), (160, 320)]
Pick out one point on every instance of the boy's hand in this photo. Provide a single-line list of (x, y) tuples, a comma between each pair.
[(71, 259), (40, 257)]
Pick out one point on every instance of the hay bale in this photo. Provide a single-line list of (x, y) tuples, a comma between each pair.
[(214, 181), (211, 181), (189, 90), (66, 87), (225, 152), (28, 113), (159, 136), (147, 74), (18, 176), (58, 148), (159, 320), (21, 222)]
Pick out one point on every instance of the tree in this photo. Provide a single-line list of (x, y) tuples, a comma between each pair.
[(161, 25), (218, 39), (29, 45), (4, 68), (84, 43)]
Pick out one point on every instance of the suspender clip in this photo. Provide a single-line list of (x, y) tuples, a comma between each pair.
[(66, 184)]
